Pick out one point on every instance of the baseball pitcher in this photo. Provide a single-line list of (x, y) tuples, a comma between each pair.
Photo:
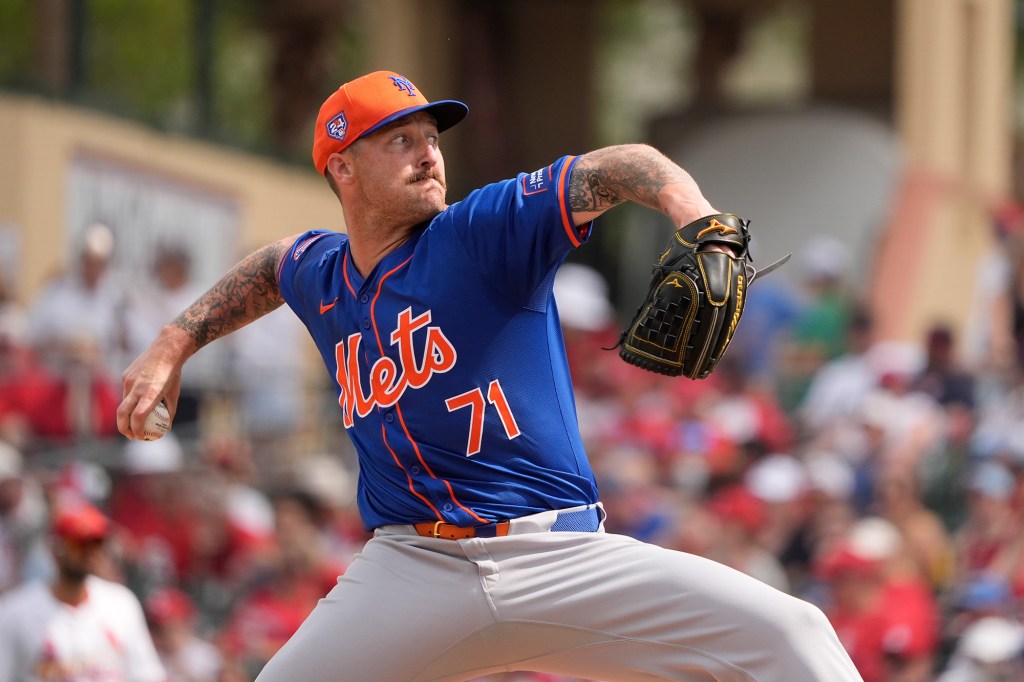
[(439, 329)]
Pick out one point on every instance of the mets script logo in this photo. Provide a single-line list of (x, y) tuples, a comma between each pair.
[(404, 85), (338, 126), (388, 380)]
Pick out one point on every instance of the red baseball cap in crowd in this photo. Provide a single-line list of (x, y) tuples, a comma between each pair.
[(79, 521), (369, 103), (736, 503), (168, 605), (843, 561)]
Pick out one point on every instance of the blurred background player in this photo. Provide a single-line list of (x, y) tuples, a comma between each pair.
[(79, 626)]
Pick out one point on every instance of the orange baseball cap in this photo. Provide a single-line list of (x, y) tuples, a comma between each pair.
[(369, 103)]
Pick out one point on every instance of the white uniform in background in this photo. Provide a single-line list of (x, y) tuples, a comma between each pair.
[(103, 638)]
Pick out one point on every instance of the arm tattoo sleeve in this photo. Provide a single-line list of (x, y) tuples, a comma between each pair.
[(249, 291), (607, 177)]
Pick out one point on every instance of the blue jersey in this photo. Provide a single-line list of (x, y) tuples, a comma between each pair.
[(448, 357)]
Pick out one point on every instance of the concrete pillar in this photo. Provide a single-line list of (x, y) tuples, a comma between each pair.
[(953, 108)]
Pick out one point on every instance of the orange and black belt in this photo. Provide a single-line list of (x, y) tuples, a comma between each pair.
[(581, 520), (449, 531)]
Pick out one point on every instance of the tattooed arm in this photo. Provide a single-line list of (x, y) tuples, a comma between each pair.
[(247, 292), (634, 172)]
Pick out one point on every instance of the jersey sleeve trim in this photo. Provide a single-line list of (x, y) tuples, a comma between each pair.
[(286, 266), (577, 235), (570, 229), (344, 273)]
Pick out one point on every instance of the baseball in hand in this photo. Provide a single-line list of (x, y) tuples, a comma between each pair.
[(157, 423)]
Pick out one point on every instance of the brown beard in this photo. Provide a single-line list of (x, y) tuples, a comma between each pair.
[(74, 573)]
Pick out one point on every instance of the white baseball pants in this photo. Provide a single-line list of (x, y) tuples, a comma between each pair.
[(589, 605)]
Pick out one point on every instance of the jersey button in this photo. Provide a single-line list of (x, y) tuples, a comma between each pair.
[(448, 506), (364, 298), (366, 324), (389, 417), (414, 471)]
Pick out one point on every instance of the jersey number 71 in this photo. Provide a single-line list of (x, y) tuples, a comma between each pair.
[(475, 400)]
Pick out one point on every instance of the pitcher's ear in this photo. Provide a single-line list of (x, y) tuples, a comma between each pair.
[(339, 166)]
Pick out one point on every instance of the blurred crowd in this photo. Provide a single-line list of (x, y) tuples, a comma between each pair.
[(880, 480)]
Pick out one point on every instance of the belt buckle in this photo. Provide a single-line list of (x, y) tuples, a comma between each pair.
[(437, 524)]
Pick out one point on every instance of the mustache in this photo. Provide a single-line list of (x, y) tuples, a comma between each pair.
[(431, 174)]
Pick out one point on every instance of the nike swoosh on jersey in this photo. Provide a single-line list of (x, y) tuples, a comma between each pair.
[(324, 308)]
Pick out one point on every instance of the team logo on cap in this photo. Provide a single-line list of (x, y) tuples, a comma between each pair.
[(338, 126), (404, 85)]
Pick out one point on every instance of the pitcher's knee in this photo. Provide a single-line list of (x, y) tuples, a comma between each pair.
[(799, 623)]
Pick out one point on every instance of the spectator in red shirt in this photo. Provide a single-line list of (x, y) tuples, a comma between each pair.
[(741, 516), (990, 539), (38, 404), (296, 575), (885, 616)]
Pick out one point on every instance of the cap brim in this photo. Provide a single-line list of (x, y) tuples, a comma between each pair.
[(83, 534), (446, 112)]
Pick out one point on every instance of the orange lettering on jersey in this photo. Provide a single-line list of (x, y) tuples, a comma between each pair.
[(384, 381), (402, 336), (351, 396), (388, 380), (439, 355)]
